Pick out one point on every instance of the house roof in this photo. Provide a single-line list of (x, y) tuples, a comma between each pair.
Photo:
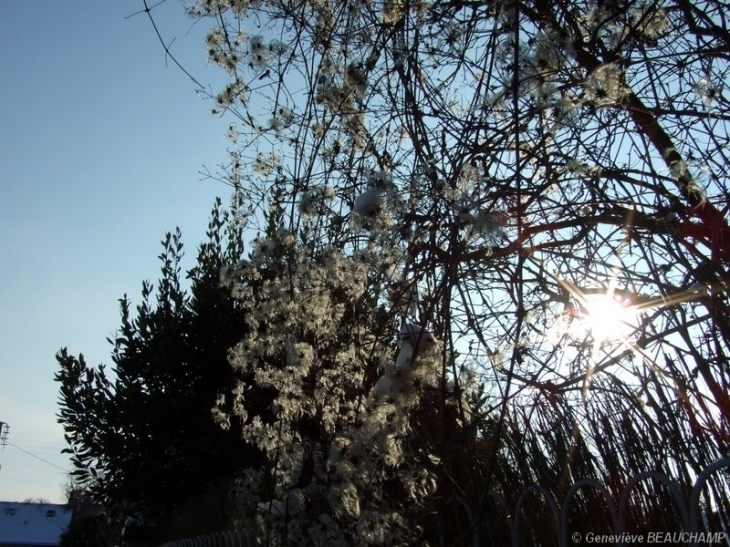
[(33, 524)]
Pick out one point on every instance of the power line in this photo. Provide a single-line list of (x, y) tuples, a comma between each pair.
[(37, 457), (6, 478)]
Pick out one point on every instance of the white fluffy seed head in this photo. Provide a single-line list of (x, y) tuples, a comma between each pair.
[(389, 386), (417, 336), (367, 203), (404, 361), (383, 385)]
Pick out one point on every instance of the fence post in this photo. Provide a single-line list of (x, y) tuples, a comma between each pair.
[(549, 498), (482, 504), (469, 514), (636, 479), (563, 531), (694, 500)]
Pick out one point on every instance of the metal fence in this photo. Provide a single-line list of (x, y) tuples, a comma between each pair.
[(693, 531), (234, 538), (692, 527)]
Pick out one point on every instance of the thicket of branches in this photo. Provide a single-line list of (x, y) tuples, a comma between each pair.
[(486, 170)]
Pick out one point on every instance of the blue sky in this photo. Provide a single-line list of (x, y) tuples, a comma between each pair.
[(101, 145)]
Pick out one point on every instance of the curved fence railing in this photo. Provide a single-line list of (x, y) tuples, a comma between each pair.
[(690, 529), (234, 538)]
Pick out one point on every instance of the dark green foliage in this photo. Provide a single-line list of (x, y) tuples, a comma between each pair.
[(89, 531), (142, 435), (90, 526)]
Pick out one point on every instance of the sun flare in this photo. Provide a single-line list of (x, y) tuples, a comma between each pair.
[(608, 318)]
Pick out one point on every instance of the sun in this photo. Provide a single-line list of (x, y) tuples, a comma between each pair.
[(608, 317)]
